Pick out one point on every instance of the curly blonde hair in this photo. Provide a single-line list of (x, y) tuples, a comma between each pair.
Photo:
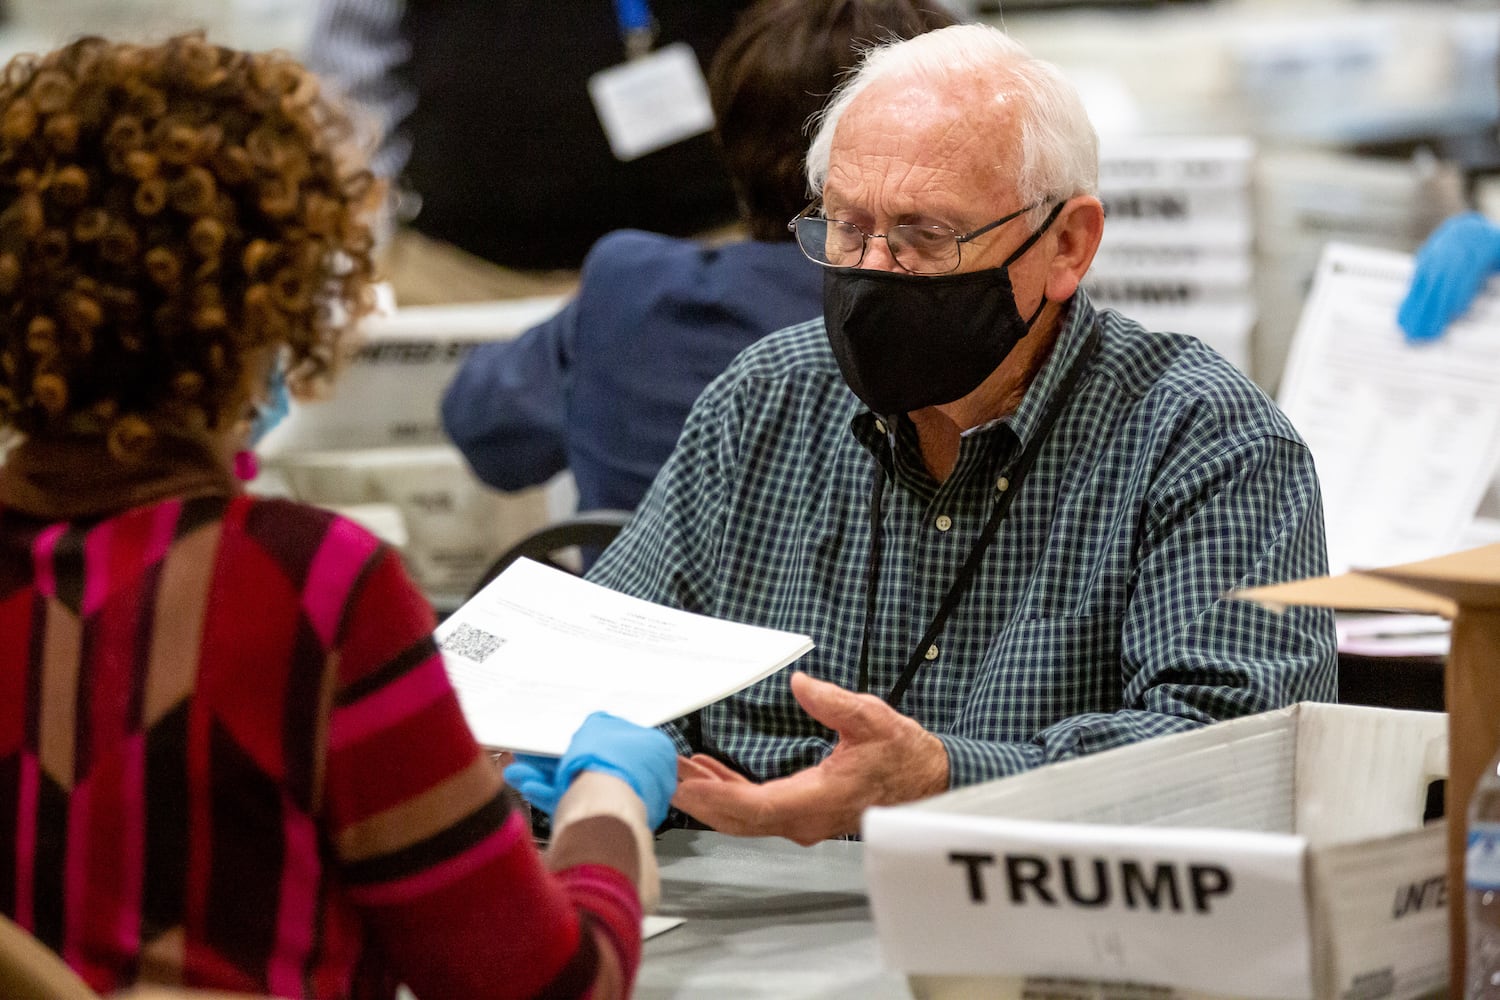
[(173, 211)]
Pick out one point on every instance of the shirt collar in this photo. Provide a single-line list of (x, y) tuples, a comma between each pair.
[(877, 436), (74, 478), (1074, 324)]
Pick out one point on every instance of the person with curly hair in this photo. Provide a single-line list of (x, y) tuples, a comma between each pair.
[(230, 756)]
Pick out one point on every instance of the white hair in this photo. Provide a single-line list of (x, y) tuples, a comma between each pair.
[(1059, 149)]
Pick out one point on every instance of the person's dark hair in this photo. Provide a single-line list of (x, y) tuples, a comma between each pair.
[(172, 211), (773, 73)]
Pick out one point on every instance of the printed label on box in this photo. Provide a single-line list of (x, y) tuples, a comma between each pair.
[(969, 895)]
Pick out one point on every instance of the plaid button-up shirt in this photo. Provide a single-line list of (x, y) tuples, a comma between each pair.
[(1098, 615)]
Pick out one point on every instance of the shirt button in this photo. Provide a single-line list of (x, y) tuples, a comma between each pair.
[(880, 426), (944, 522), (932, 652), (1002, 484)]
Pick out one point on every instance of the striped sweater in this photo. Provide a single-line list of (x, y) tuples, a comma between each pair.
[(230, 758)]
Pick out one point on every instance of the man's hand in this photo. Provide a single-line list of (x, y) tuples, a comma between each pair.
[(881, 758)]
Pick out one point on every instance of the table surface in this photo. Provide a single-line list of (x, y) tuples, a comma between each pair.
[(764, 918)]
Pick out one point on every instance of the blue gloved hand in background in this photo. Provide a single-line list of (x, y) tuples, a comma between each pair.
[(1452, 266), (643, 758)]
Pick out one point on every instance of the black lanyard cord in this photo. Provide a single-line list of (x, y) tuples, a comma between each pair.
[(1012, 479), (872, 574)]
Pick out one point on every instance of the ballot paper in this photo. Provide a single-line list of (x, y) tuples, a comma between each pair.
[(654, 924), (538, 649), (1392, 635), (1405, 437)]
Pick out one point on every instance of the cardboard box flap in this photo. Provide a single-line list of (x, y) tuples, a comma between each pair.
[(1470, 578), (1350, 592), (1465, 587)]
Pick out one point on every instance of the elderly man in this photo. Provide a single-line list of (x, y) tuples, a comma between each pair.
[(1007, 519)]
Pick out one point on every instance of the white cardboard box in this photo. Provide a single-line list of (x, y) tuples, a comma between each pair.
[(1176, 254), (390, 393), (1281, 855), (1175, 191)]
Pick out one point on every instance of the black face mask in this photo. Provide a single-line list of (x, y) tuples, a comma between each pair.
[(907, 341)]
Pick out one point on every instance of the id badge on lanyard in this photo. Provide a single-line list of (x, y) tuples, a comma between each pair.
[(654, 98)]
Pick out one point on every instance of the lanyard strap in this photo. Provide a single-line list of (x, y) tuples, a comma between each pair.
[(1009, 485), (637, 27)]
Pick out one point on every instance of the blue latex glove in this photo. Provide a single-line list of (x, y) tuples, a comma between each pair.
[(536, 779), (275, 408), (643, 758), (1451, 268), (633, 15)]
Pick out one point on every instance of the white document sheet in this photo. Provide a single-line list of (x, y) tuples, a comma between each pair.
[(1393, 635), (654, 925), (1406, 437), (537, 650)]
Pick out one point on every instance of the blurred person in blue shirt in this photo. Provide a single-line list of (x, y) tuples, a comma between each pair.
[(603, 387)]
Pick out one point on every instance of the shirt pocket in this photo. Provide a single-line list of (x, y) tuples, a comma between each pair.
[(1040, 671)]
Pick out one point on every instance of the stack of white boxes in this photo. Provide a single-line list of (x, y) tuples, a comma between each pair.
[(1178, 254), (1306, 199), (377, 453), (38, 25)]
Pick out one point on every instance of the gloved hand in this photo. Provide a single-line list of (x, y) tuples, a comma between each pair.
[(641, 757), (1451, 268), (536, 779)]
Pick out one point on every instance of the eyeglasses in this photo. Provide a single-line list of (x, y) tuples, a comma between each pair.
[(918, 249)]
